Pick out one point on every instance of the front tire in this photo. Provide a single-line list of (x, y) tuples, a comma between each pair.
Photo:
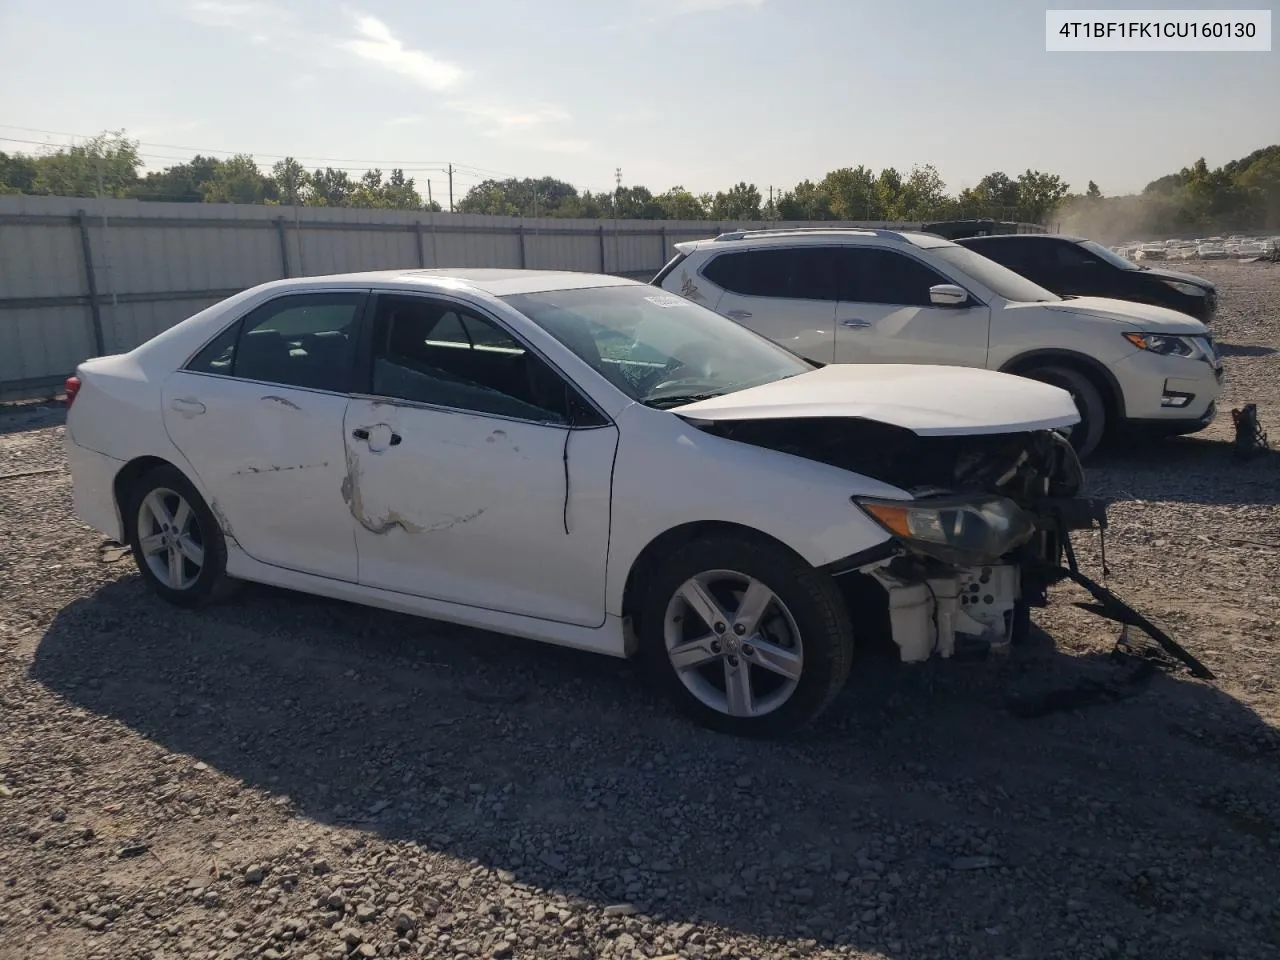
[(1087, 434), (175, 539), (745, 637)]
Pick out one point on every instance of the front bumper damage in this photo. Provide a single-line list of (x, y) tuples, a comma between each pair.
[(957, 609)]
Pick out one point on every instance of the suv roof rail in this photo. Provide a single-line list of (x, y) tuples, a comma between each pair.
[(895, 235)]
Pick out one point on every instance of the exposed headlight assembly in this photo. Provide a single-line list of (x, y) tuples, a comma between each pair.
[(1190, 289), (955, 530), (1165, 344)]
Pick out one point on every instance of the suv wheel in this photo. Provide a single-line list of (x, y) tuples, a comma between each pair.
[(1087, 434)]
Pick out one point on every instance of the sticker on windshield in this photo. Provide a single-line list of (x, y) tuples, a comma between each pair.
[(667, 301)]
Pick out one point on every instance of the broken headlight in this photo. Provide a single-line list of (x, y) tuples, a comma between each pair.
[(961, 530)]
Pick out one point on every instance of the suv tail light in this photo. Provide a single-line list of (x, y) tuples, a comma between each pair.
[(72, 387)]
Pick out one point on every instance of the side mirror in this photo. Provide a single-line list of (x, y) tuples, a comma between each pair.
[(948, 295)]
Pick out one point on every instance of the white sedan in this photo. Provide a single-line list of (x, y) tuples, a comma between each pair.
[(581, 460)]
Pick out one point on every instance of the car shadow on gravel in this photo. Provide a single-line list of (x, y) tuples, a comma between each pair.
[(1245, 350), (19, 418), (563, 769), (1185, 470)]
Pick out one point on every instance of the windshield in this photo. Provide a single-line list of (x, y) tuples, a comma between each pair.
[(999, 279), (1109, 255), (655, 347)]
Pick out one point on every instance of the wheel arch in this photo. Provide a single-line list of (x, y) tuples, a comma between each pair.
[(667, 542), (130, 474), (1102, 378)]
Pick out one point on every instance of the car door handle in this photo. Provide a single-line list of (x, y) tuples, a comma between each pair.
[(186, 406), (362, 433), (855, 323), (738, 314)]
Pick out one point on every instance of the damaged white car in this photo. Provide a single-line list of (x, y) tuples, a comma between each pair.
[(581, 460)]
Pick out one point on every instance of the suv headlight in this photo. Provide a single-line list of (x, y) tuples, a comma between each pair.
[(1190, 289), (1165, 344), (964, 530)]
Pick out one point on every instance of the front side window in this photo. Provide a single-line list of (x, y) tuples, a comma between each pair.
[(996, 277), (872, 275), (304, 340), (443, 354), (657, 348)]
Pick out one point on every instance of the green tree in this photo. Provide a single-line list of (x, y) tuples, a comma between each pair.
[(180, 183), (329, 188), (1039, 194), (806, 201), (238, 180), (17, 173), (852, 193), (679, 204), (107, 164), (923, 196), (739, 202), (888, 194), (291, 181)]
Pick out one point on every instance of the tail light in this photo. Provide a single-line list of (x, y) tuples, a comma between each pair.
[(72, 387)]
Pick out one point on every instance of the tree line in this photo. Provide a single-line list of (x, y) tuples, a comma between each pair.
[(1239, 195)]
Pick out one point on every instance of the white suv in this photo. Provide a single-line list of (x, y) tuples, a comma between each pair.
[(881, 296)]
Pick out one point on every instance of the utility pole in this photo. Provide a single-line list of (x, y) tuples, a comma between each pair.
[(617, 193), (430, 202), (451, 188)]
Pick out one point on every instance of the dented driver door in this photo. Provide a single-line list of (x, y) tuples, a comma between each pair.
[(465, 476)]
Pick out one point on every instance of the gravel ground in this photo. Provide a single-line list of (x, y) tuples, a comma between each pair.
[(284, 776)]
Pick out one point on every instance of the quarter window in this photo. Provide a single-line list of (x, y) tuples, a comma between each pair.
[(296, 341), (434, 352)]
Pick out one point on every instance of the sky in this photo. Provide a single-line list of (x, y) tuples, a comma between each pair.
[(696, 93)]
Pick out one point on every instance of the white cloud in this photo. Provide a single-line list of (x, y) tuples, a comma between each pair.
[(502, 117), (525, 123), (648, 12), (378, 45), (247, 16)]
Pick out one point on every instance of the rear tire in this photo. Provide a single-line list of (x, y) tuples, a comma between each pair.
[(1088, 433), (745, 637), (175, 539)]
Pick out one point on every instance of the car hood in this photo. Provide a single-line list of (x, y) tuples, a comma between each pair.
[(928, 400), (1142, 316), (1160, 273)]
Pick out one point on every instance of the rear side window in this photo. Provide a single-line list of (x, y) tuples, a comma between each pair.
[(798, 273), (871, 275), (305, 341), (1014, 254)]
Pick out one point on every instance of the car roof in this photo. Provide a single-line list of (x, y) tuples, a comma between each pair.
[(808, 236), (1024, 236), (496, 281)]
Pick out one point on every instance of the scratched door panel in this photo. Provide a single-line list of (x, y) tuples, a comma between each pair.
[(273, 459), (476, 509)]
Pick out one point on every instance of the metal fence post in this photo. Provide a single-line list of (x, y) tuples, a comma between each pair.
[(417, 235), (95, 307), (523, 254), (284, 246), (602, 262)]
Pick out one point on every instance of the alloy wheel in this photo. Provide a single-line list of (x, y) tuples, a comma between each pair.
[(733, 643), (170, 538)]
